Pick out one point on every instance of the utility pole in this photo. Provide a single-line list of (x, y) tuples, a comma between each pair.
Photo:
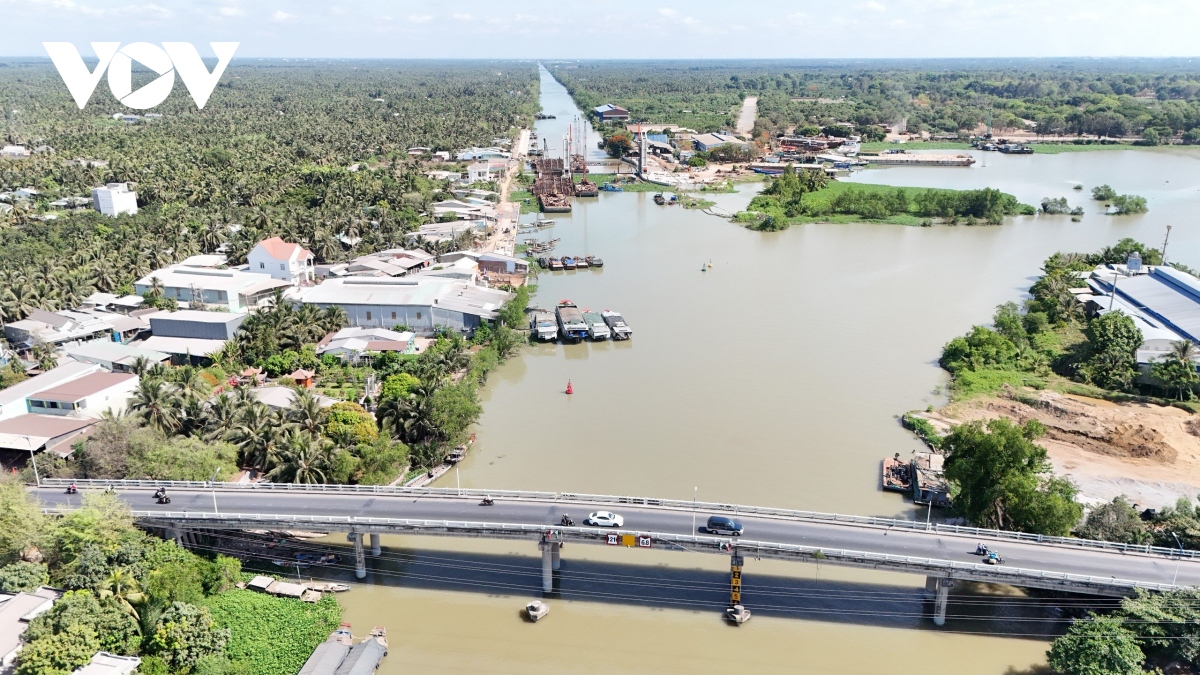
[(695, 494), (1177, 562), (1165, 240), (1113, 296), (212, 482), (33, 460)]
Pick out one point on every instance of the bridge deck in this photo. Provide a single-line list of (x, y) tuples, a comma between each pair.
[(1027, 563)]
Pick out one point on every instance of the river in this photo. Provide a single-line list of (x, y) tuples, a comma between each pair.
[(774, 378)]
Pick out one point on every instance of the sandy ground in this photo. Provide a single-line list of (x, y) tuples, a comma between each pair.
[(749, 114), (1149, 453)]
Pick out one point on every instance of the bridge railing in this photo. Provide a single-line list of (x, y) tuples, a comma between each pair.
[(705, 544), (648, 502)]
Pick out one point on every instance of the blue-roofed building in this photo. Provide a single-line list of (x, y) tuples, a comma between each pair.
[(609, 112), (1164, 304)]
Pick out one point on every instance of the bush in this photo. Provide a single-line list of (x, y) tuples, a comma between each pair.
[(1129, 204), (352, 417), (1103, 193), (1115, 521), (1097, 645), (923, 429), (397, 386), (185, 633)]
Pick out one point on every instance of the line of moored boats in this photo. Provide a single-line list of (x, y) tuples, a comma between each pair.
[(572, 324), (570, 262)]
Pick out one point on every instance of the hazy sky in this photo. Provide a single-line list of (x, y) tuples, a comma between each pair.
[(619, 28)]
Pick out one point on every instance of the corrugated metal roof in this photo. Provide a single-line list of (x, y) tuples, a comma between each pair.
[(1167, 295)]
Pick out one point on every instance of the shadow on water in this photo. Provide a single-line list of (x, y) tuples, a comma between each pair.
[(974, 608)]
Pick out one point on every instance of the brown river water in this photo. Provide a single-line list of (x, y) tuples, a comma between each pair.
[(772, 379)]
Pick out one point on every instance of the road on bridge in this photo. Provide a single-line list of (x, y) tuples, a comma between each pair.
[(1029, 555)]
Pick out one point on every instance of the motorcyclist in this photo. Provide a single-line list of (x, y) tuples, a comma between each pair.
[(566, 521), (161, 494), (487, 500), (71, 489)]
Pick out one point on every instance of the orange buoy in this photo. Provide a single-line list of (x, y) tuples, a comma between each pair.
[(570, 389)]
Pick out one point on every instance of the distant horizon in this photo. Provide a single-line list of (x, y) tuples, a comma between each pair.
[(668, 29)]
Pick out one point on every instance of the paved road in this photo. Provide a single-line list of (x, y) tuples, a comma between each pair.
[(749, 114), (1028, 555)]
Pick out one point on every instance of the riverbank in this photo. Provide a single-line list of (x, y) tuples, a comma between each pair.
[(1148, 453)]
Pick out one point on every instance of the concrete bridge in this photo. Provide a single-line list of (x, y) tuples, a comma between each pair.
[(944, 553)]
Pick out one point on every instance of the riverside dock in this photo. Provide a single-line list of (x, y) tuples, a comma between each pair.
[(903, 158)]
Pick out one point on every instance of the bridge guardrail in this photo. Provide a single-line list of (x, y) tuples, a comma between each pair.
[(709, 544), (650, 502)]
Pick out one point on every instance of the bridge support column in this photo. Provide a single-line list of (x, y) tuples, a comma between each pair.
[(360, 559), (549, 558), (942, 587), (376, 550), (175, 535), (556, 556)]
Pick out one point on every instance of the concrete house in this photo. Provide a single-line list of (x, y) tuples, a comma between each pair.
[(14, 400), (196, 324), (234, 290), (55, 328), (89, 396), (114, 199), (287, 262), (421, 304)]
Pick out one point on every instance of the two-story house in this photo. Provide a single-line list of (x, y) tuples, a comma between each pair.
[(287, 262)]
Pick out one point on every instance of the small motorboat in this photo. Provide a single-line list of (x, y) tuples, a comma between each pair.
[(609, 187), (556, 265), (673, 200), (568, 262), (536, 610), (659, 199), (593, 261), (581, 262), (737, 614), (327, 587)]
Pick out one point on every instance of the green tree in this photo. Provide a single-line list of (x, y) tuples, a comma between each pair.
[(1001, 479), (351, 419), (1115, 521), (180, 581), (184, 634), (115, 631), (982, 348), (1098, 645), (1103, 193), (60, 653), (397, 386), (1168, 623), (22, 576), (21, 523), (1177, 371), (124, 590), (1112, 343)]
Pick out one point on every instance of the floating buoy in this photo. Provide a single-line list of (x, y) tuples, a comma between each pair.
[(703, 267), (570, 389)]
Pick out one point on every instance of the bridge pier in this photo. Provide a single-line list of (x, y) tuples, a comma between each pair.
[(175, 535), (549, 564), (376, 550), (360, 559), (941, 586), (556, 557)]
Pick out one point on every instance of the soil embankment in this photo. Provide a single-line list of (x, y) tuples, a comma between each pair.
[(1149, 453)]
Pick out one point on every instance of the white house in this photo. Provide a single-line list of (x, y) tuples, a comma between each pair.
[(477, 172), (287, 262), (482, 153), (14, 152), (234, 290), (114, 199), (88, 396)]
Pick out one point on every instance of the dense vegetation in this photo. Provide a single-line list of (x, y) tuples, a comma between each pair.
[(1050, 336), (1113, 98), (301, 151), (132, 594), (807, 195), (1156, 632)]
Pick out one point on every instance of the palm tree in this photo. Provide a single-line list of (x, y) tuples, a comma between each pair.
[(123, 588), (306, 412), (305, 458), (157, 404), (220, 416), (1184, 351)]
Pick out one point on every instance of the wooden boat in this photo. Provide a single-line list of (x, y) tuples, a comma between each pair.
[(327, 587), (593, 261), (737, 614), (536, 610), (609, 187), (659, 199), (556, 265), (568, 262), (673, 200), (896, 475), (581, 262)]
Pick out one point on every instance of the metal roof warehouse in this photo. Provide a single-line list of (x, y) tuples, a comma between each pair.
[(420, 304)]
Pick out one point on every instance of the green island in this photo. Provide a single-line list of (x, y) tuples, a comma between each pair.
[(807, 196)]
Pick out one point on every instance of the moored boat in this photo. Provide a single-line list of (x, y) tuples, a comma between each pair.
[(568, 262), (659, 199), (581, 262), (597, 328), (570, 322), (556, 265), (609, 187), (737, 614), (543, 326), (594, 261), (616, 324), (897, 475)]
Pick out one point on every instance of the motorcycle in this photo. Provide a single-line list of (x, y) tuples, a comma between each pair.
[(71, 489), (164, 500), (981, 549), (566, 521), (487, 501)]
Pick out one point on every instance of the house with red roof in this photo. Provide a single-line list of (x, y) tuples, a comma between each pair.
[(287, 262)]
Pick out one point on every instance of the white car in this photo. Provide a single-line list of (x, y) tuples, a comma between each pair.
[(604, 519)]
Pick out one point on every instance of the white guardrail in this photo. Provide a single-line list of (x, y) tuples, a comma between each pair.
[(714, 544), (648, 502)]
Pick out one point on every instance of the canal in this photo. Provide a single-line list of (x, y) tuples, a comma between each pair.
[(774, 378)]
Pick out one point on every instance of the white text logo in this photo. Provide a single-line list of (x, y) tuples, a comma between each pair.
[(173, 57)]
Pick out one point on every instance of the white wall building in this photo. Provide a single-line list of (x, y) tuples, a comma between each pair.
[(114, 199), (420, 304), (89, 396), (234, 290), (287, 262)]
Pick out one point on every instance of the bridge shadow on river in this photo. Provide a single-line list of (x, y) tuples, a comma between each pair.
[(974, 607)]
